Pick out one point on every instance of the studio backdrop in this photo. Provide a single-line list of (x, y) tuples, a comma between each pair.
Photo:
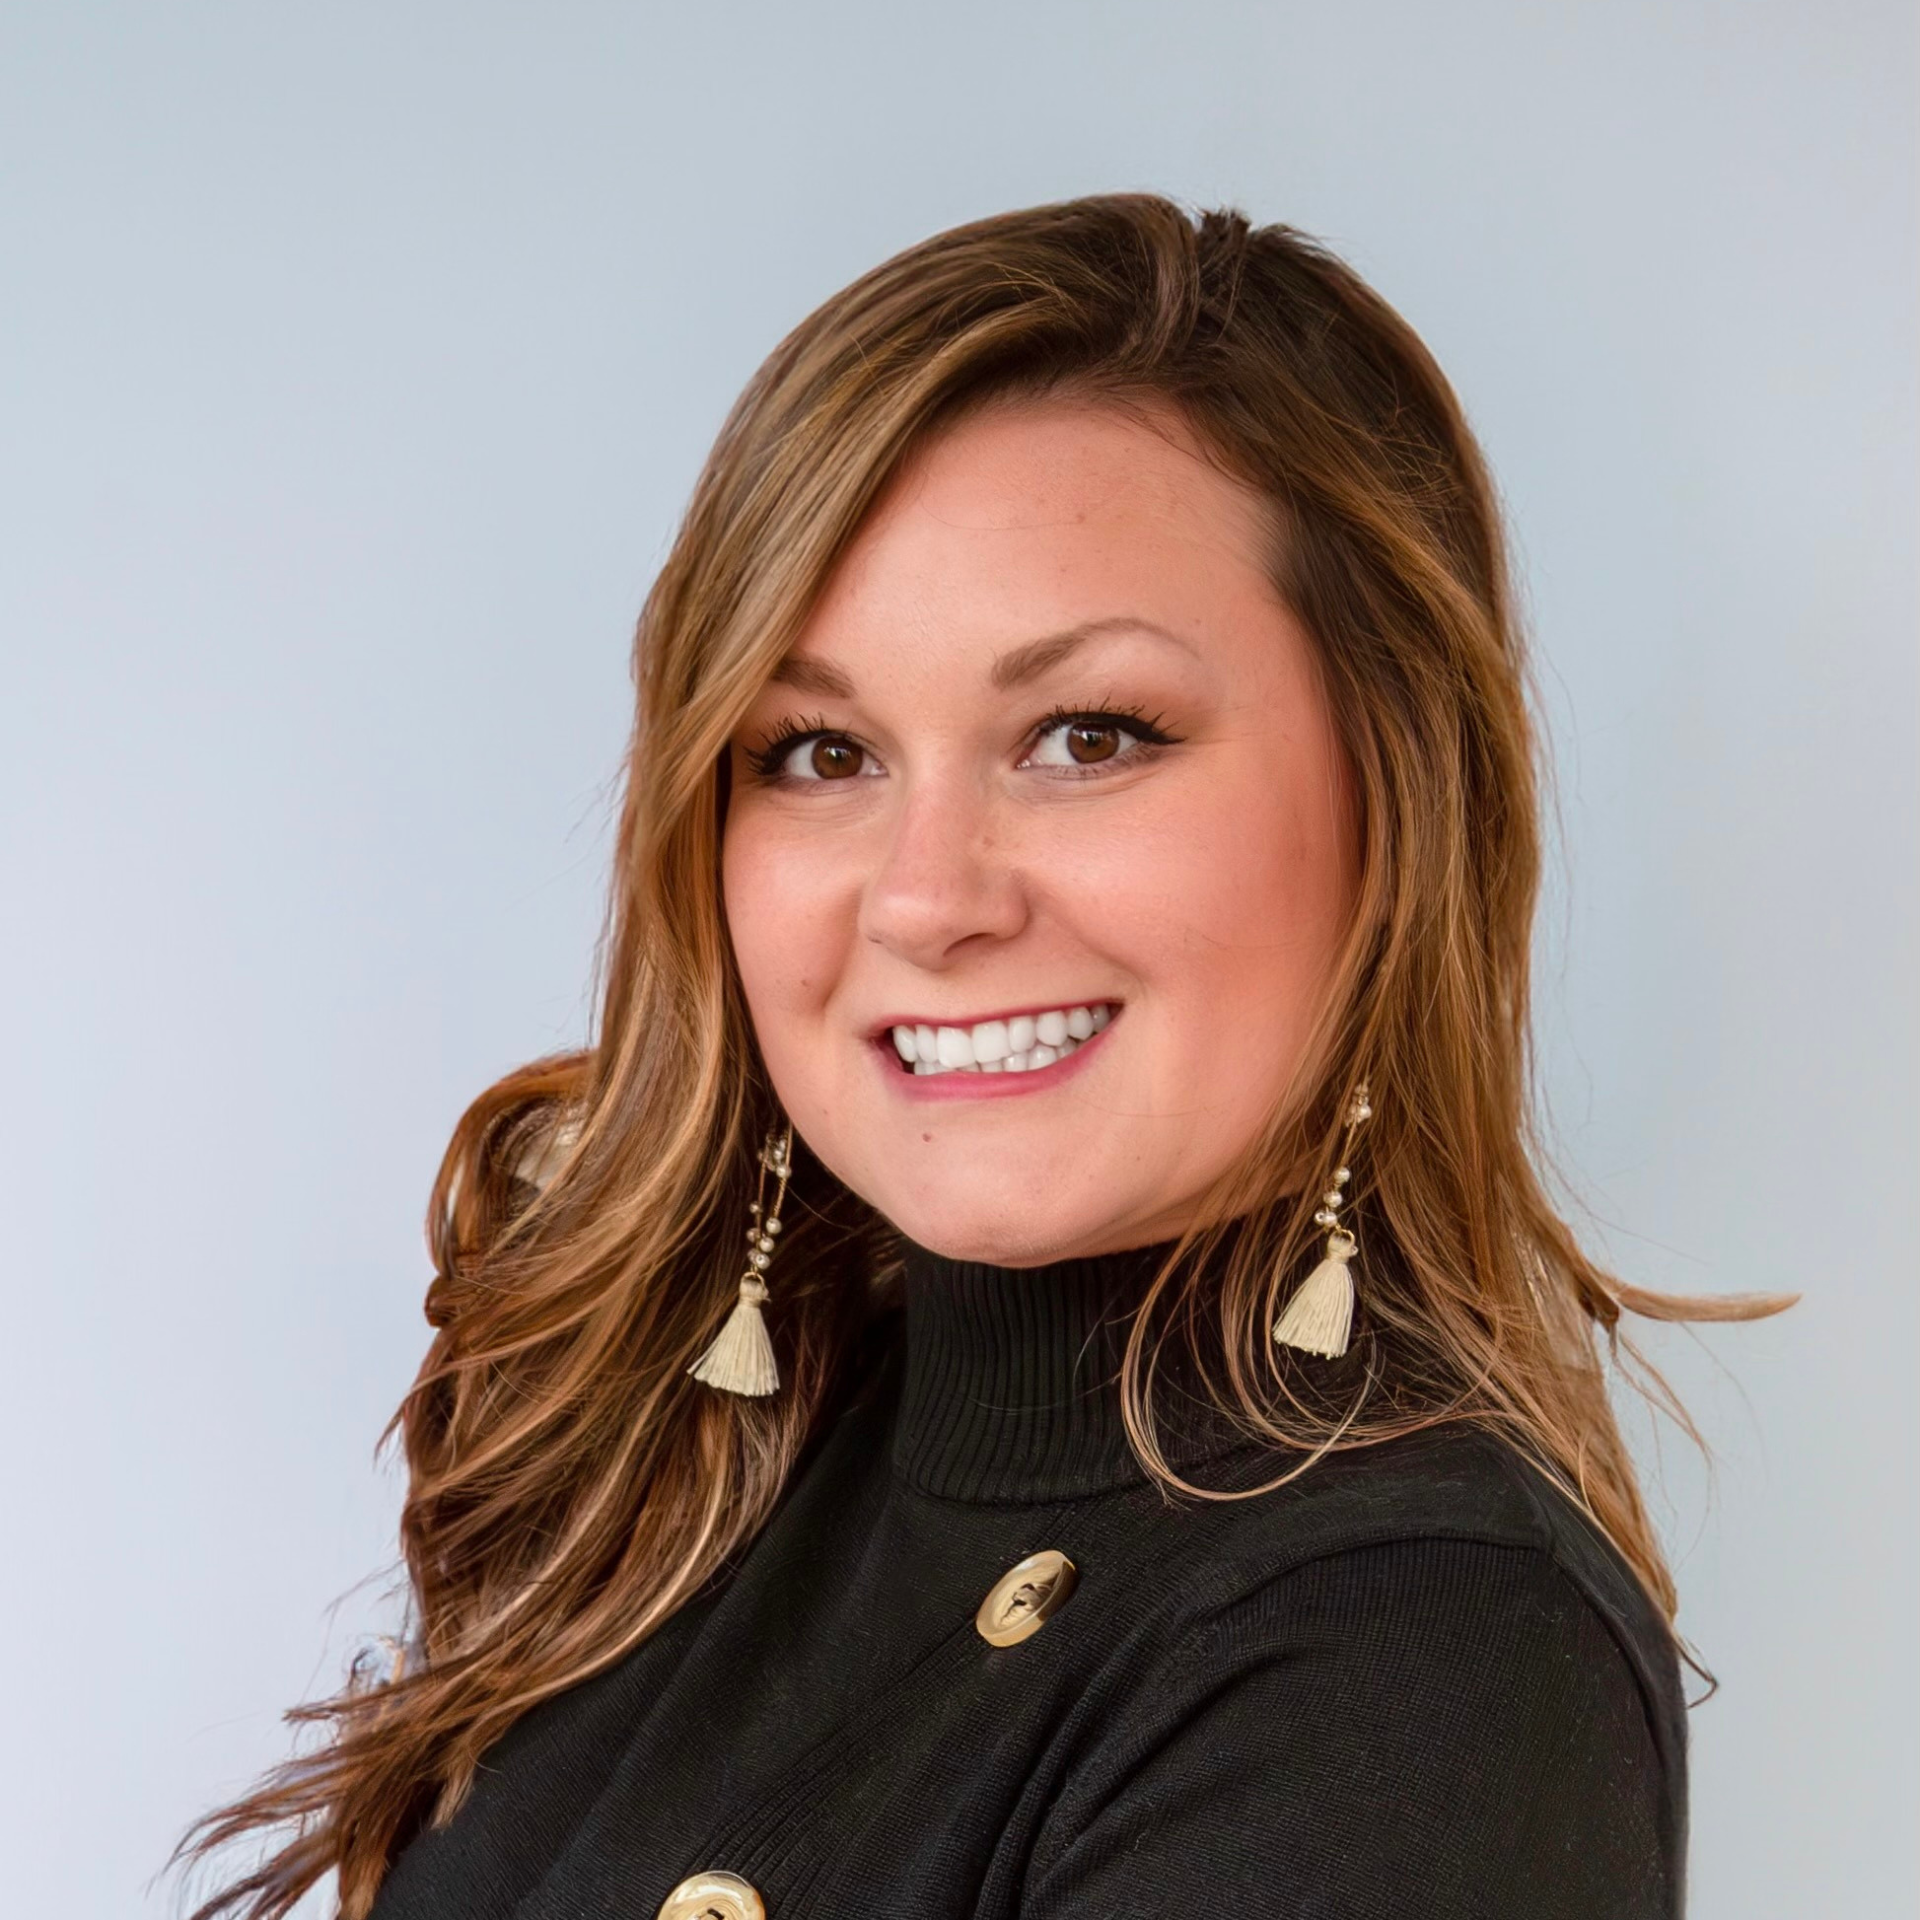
[(354, 368)]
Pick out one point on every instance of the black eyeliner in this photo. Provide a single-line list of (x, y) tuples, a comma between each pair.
[(765, 759)]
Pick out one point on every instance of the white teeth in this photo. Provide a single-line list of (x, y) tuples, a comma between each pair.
[(956, 1046), (1013, 1063), (1001, 1046)]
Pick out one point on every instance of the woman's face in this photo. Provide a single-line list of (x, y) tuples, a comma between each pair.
[(1052, 743)]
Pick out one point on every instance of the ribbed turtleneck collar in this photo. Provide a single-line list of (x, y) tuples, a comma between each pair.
[(1010, 1379)]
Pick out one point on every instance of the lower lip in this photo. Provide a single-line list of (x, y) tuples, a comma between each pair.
[(956, 1084)]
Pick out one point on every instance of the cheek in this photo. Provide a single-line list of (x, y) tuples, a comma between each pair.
[(788, 917), (1231, 905), (767, 918)]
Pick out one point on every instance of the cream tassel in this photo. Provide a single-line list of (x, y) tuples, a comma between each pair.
[(741, 1357), (1320, 1316)]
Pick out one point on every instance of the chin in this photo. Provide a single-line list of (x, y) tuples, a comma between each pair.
[(993, 1232)]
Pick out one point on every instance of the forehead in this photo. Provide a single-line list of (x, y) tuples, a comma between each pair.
[(1033, 516)]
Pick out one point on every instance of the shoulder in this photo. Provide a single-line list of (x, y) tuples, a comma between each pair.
[(1420, 1673), (1447, 1544)]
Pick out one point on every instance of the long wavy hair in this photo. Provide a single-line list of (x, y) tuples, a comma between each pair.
[(570, 1484)]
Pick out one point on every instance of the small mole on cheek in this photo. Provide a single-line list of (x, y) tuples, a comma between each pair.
[(926, 1136)]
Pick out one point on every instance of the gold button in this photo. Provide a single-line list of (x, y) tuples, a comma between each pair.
[(714, 1896), (1024, 1596)]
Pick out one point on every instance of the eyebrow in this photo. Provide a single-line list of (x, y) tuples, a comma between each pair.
[(1026, 662)]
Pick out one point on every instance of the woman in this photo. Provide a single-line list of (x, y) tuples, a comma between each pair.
[(1071, 931)]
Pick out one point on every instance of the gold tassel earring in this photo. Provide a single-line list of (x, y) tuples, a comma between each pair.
[(741, 1357), (1319, 1317)]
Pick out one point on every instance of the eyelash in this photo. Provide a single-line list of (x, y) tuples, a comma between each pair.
[(765, 759)]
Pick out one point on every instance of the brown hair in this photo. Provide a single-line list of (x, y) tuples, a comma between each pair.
[(571, 1485)]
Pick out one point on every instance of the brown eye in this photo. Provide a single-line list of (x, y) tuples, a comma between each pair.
[(833, 759), (814, 756), (1089, 744), (1094, 739)]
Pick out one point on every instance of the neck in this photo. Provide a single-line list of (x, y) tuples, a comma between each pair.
[(1010, 1382)]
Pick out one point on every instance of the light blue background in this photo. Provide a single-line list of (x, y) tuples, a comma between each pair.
[(354, 365)]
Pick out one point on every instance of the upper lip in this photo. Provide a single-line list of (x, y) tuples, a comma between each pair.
[(884, 1027)]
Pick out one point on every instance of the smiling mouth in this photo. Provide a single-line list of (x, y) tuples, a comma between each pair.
[(1021, 1044)]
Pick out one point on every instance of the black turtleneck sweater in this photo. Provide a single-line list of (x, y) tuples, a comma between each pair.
[(1412, 1682)]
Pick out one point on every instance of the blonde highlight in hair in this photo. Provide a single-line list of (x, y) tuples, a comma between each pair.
[(570, 1485)]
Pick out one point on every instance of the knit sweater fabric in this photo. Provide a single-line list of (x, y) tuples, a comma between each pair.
[(1415, 1681)]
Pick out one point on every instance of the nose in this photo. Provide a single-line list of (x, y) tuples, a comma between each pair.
[(947, 874)]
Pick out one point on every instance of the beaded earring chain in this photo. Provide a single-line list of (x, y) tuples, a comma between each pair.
[(1319, 1318), (741, 1357)]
